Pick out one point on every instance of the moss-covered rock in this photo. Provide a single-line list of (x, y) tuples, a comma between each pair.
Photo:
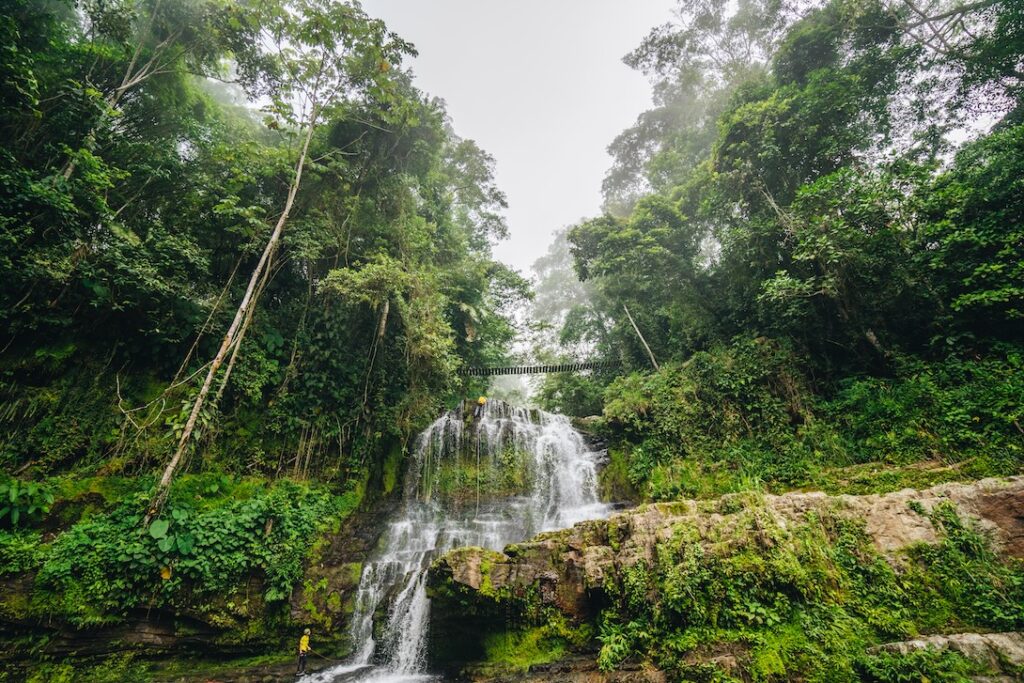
[(754, 586)]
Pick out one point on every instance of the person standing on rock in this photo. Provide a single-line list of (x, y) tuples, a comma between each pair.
[(303, 653)]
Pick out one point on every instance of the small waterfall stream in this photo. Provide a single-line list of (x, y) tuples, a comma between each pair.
[(501, 478)]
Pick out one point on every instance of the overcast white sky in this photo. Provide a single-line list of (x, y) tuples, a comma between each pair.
[(539, 84)]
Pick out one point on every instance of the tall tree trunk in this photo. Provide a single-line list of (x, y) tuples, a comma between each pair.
[(163, 487), (643, 341), (240, 337), (381, 327)]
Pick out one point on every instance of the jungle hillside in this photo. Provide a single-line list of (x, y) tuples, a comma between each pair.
[(245, 261)]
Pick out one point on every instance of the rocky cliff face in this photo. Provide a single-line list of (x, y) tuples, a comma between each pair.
[(590, 569)]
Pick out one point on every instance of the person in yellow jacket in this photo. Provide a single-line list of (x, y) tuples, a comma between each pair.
[(303, 652), (479, 410)]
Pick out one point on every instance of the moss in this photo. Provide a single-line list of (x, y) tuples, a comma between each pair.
[(316, 594), (391, 468), (613, 479), (677, 508), (469, 476), (183, 667), (935, 666), (112, 489), (519, 650), (353, 572), (618, 529), (879, 477), (16, 606)]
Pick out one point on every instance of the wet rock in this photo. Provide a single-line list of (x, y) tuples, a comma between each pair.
[(325, 597), (597, 561)]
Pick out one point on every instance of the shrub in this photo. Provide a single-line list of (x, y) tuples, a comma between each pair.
[(108, 564), (23, 502), (744, 415)]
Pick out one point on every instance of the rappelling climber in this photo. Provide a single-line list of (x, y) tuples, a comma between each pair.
[(303, 653), (478, 411)]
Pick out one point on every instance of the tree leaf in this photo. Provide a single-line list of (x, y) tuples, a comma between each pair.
[(186, 543)]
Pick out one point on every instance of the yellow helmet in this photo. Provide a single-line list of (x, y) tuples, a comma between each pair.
[(482, 400)]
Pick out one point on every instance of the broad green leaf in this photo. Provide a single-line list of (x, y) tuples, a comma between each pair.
[(158, 529)]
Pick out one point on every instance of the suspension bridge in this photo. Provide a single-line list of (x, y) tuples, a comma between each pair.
[(539, 369)]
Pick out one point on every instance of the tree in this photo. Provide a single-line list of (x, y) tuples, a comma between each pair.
[(851, 275), (134, 41), (131, 270), (974, 235), (323, 55), (695, 62)]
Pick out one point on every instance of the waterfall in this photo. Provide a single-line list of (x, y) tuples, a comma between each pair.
[(496, 479)]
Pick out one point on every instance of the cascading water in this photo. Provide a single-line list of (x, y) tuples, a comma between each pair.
[(507, 475)]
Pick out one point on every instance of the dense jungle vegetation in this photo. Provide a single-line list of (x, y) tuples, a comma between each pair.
[(235, 231), (818, 231), (243, 258), (138, 198)]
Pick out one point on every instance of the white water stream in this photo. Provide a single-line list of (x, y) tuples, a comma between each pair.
[(562, 490)]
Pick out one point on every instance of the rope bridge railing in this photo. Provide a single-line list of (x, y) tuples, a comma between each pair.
[(539, 369)]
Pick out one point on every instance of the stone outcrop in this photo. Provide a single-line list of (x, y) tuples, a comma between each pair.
[(579, 572), (1000, 653), (565, 568)]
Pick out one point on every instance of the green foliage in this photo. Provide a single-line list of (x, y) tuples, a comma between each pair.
[(743, 416), (21, 551), (135, 198), (794, 188), (165, 191), (953, 409), (994, 596), (805, 601), (23, 502), (696, 63), (573, 394), (101, 568), (977, 252), (918, 665), (113, 669)]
